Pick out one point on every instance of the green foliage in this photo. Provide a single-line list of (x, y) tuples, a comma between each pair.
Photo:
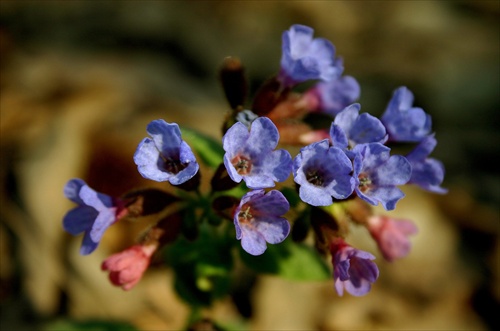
[(202, 267), (289, 260), (207, 148)]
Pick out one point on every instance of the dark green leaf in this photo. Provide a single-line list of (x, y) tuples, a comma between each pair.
[(202, 267), (207, 148), (289, 260)]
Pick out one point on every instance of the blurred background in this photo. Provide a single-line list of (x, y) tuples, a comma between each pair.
[(81, 79)]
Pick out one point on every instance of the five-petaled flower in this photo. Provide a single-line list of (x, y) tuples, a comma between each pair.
[(428, 173), (304, 58), (323, 172), (391, 235), (353, 269), (250, 154), (259, 219), (377, 174), (93, 215), (127, 267), (405, 123), (165, 157)]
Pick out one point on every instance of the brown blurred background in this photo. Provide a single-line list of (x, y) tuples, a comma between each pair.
[(81, 79)]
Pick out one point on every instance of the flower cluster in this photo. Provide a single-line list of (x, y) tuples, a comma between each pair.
[(349, 160)]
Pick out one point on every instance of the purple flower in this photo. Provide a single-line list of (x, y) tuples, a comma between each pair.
[(94, 214), (333, 96), (349, 128), (250, 155), (428, 173), (403, 122), (258, 219), (391, 235), (377, 174), (353, 269), (304, 58), (322, 172), (165, 157)]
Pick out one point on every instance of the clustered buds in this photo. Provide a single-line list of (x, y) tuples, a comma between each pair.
[(343, 168)]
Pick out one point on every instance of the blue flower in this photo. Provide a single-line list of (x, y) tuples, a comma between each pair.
[(93, 215), (353, 269), (377, 174), (250, 154), (350, 129), (258, 219), (333, 96), (165, 157), (404, 122), (428, 173), (322, 172), (304, 58)]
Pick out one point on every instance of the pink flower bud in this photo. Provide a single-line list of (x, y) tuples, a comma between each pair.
[(391, 235), (127, 267)]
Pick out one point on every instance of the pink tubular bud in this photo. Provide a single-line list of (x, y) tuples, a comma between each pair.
[(313, 136), (127, 267), (391, 235)]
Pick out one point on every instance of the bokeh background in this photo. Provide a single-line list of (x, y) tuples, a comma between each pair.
[(81, 79)]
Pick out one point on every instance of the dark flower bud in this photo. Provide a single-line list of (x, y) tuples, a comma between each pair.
[(234, 82), (147, 201), (325, 227), (268, 96), (191, 184), (221, 180), (301, 226), (224, 206)]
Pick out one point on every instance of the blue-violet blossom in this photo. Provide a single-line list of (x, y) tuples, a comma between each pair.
[(93, 215), (304, 58), (377, 174), (333, 96), (250, 154), (428, 173), (323, 171), (353, 269), (349, 128), (405, 123), (258, 219), (165, 157)]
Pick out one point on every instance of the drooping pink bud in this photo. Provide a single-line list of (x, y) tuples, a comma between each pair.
[(391, 235), (127, 267)]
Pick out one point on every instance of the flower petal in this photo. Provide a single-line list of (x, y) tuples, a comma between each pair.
[(88, 245), (252, 241), (102, 223), (263, 137), (166, 137), (146, 158), (79, 219), (72, 190)]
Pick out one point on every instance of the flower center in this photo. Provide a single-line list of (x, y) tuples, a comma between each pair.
[(365, 182), (173, 166), (245, 215), (315, 178), (242, 164)]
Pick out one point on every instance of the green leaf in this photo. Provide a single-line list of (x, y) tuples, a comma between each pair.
[(291, 195), (289, 260), (202, 267), (207, 148)]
